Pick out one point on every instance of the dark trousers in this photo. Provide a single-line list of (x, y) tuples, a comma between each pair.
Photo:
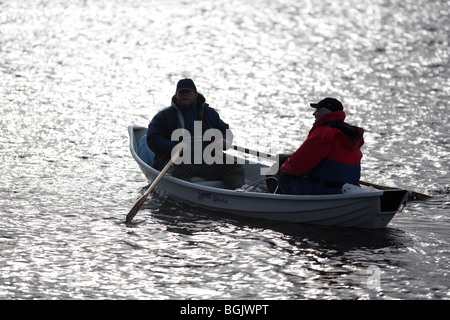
[(231, 174), (305, 185)]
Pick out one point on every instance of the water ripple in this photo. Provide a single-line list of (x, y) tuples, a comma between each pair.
[(75, 75)]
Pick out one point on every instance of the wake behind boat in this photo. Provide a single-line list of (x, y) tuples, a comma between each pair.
[(363, 209)]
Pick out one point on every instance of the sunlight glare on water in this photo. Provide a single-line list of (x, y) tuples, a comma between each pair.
[(75, 74)]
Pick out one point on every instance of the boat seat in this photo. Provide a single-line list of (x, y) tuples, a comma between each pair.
[(209, 183)]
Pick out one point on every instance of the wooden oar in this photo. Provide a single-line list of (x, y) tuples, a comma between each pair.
[(255, 153), (137, 206), (412, 195)]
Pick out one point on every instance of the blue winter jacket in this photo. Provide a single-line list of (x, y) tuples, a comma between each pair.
[(171, 118)]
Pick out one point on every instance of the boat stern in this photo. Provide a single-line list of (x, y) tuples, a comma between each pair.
[(390, 202)]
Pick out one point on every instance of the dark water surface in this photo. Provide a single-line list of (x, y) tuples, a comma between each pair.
[(74, 75)]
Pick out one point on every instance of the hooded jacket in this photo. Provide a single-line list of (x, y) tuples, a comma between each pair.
[(330, 153), (171, 118)]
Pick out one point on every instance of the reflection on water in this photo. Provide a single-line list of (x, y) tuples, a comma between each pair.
[(74, 75), (276, 254)]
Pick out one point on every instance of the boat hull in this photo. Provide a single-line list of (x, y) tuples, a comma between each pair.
[(359, 210)]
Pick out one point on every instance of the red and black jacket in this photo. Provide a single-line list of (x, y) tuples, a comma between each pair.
[(330, 153)]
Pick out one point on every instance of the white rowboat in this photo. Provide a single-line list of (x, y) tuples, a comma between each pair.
[(371, 209)]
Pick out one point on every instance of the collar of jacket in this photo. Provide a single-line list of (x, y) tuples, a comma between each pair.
[(333, 116)]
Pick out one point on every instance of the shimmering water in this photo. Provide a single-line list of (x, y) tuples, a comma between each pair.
[(74, 75)]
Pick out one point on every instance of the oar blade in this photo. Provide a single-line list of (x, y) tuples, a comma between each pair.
[(413, 196), (137, 206)]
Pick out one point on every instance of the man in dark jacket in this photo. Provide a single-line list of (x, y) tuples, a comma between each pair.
[(328, 158), (190, 113)]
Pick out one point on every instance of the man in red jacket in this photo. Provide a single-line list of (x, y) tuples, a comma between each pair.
[(328, 158)]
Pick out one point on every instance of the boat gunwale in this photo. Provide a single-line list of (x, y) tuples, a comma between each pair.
[(247, 194)]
